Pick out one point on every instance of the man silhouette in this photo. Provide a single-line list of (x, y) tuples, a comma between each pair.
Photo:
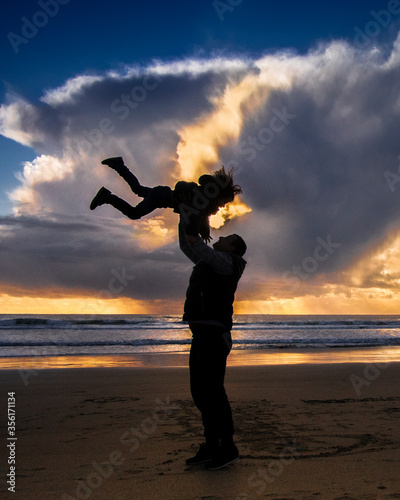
[(208, 310)]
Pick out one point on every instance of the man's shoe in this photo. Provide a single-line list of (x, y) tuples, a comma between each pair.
[(116, 162), (204, 455), (100, 198), (224, 457)]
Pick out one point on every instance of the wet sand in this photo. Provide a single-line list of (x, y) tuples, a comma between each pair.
[(304, 431)]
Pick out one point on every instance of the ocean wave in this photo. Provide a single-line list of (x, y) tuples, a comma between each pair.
[(175, 322), (92, 323), (85, 343), (264, 343), (332, 324), (75, 335)]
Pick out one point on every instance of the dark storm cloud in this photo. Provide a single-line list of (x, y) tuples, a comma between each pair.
[(322, 171), (88, 257)]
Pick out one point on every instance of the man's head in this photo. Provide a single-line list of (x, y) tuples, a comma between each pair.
[(231, 244)]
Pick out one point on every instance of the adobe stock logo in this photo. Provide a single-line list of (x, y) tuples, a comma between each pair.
[(226, 6), (372, 29), (391, 178), (30, 27)]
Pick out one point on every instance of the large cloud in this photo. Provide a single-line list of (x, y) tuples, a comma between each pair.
[(312, 137), (323, 173)]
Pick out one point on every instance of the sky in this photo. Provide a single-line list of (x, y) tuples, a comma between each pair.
[(301, 98)]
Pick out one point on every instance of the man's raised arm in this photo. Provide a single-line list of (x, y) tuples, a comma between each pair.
[(184, 245), (197, 250)]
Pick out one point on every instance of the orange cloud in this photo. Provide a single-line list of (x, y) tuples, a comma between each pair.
[(234, 209), (198, 149), (155, 232)]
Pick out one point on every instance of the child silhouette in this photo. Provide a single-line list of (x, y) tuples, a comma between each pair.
[(195, 202)]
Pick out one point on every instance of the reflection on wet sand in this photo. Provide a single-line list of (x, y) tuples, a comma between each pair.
[(236, 358)]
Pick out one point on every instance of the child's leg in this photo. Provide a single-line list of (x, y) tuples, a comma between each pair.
[(133, 182), (118, 165), (158, 197)]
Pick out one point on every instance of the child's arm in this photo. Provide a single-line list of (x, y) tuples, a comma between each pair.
[(195, 217), (184, 245), (205, 229)]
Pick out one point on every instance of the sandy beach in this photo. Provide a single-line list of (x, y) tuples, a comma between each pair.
[(304, 431)]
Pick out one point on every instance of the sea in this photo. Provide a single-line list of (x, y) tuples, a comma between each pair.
[(42, 335)]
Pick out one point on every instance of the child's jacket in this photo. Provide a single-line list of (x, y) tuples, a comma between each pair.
[(195, 207)]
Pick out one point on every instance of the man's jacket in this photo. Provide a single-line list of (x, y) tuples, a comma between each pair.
[(213, 283)]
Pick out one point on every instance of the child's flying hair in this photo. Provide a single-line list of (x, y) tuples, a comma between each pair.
[(226, 189)]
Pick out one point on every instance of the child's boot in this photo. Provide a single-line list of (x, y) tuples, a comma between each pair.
[(115, 163), (101, 197)]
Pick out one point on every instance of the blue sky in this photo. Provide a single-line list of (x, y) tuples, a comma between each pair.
[(221, 74), (91, 35)]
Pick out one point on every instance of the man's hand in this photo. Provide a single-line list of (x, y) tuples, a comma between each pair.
[(190, 239)]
